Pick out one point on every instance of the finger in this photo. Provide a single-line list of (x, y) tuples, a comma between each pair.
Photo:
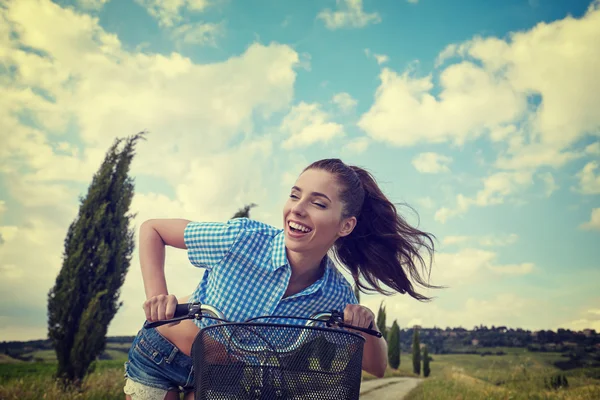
[(171, 307), (348, 314), (154, 309), (162, 308), (147, 311)]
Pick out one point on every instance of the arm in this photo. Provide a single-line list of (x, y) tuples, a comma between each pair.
[(155, 234), (375, 351)]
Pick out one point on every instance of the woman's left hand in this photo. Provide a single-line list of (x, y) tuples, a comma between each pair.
[(360, 316)]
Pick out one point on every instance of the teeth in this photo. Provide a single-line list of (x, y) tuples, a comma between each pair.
[(299, 227)]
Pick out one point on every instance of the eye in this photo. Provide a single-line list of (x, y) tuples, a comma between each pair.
[(293, 196), (320, 205)]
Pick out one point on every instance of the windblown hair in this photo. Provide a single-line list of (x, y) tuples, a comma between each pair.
[(383, 248)]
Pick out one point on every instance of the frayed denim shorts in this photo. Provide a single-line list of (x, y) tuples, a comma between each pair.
[(155, 362)]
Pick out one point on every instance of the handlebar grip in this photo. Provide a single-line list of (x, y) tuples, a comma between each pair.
[(181, 310), (340, 317)]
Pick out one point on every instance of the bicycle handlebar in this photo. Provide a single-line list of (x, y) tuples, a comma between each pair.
[(195, 311)]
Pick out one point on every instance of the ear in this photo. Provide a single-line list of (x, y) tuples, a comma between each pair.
[(347, 226)]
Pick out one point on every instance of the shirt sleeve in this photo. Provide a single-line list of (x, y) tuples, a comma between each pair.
[(208, 242)]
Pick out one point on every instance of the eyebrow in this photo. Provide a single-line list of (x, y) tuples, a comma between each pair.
[(318, 194)]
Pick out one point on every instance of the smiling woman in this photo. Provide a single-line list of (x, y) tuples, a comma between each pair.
[(253, 269)]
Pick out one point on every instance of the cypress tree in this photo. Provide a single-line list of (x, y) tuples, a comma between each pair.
[(416, 352), (381, 320), (96, 257), (426, 370), (393, 340)]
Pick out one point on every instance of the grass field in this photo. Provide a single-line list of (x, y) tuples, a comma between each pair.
[(517, 375)]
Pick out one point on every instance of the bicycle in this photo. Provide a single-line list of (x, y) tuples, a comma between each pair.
[(260, 360)]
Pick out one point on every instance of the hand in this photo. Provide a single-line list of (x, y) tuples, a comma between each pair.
[(360, 316), (161, 307)]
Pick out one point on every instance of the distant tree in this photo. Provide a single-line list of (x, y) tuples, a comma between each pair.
[(393, 340), (416, 352), (244, 212), (426, 370), (97, 253), (381, 320)]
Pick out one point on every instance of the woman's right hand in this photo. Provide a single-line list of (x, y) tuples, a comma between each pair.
[(160, 307)]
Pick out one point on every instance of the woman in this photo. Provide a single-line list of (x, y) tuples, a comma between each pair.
[(254, 269)]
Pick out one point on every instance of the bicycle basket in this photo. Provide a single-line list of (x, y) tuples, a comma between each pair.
[(274, 361)]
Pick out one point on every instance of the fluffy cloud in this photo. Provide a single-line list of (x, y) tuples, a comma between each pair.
[(589, 182), (168, 12), (200, 34), (73, 80), (350, 14), (431, 163), (486, 240), (307, 124), (496, 188), (344, 101), (594, 222), (92, 4)]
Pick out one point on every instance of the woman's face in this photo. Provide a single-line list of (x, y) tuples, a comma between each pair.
[(312, 215)]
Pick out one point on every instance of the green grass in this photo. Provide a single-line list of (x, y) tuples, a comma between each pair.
[(517, 375)]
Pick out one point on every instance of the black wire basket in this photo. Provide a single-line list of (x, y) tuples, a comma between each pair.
[(276, 361)]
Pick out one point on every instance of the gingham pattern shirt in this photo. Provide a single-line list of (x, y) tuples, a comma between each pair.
[(247, 273)]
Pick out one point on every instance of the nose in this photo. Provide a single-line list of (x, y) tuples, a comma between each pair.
[(298, 208)]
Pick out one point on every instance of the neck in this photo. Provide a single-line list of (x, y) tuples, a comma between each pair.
[(306, 268)]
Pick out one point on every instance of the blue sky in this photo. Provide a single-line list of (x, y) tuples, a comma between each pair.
[(480, 115)]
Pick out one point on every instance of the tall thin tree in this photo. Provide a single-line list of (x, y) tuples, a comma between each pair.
[(96, 257), (244, 212), (426, 369), (381, 320), (416, 352), (394, 346)]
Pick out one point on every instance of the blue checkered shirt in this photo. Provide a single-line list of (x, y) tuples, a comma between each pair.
[(247, 273)]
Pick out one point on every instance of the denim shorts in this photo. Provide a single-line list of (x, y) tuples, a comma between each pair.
[(154, 361)]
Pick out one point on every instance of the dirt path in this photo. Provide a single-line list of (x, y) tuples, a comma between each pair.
[(387, 389)]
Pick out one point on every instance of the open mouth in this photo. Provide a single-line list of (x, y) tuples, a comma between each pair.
[(295, 227)]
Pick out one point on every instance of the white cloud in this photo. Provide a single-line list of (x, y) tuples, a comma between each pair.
[(381, 58), (356, 146), (350, 14), (549, 183), (486, 87), (168, 12), (344, 101), (496, 188), (92, 4), (200, 34), (486, 240), (594, 222), (514, 269), (106, 91), (431, 163), (307, 124), (589, 182), (426, 202)]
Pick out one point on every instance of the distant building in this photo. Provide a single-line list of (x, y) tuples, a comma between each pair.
[(475, 342), (588, 332)]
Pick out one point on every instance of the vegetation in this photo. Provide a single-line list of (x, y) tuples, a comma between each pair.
[(381, 320), (426, 359), (96, 258), (416, 353), (393, 341)]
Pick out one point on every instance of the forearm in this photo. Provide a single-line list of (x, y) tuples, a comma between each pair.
[(152, 261), (375, 355)]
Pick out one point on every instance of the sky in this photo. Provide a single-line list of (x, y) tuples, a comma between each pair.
[(481, 116)]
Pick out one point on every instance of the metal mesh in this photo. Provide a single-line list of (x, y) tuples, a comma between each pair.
[(271, 361)]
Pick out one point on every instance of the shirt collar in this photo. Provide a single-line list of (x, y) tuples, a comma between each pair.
[(279, 259)]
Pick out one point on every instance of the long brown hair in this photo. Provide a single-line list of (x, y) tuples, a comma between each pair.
[(383, 248)]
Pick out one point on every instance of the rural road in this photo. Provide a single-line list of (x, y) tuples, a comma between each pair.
[(387, 389)]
